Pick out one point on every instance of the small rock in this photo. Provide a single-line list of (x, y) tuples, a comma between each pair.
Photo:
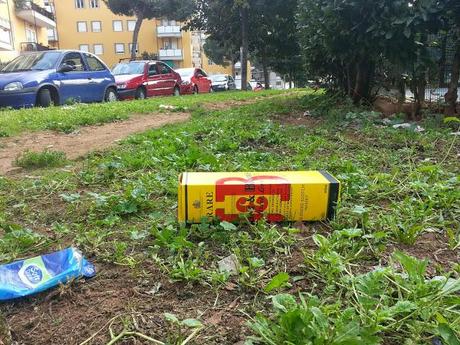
[(307, 113), (154, 290), (229, 264), (455, 133), (419, 129)]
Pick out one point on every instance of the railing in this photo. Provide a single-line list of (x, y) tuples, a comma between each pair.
[(173, 30), (30, 5), (33, 47), (170, 53)]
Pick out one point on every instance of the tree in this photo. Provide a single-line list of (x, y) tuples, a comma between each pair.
[(274, 42), (348, 41), (226, 22), (452, 22), (149, 9)]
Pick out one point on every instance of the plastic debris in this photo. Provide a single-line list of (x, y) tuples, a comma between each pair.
[(229, 265), (26, 277), (169, 107), (402, 125)]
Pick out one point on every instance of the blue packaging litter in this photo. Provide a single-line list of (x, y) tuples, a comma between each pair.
[(26, 277)]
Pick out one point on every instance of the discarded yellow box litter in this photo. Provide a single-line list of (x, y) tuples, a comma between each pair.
[(276, 196)]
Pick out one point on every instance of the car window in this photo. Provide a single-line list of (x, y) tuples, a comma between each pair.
[(164, 69), (153, 69), (203, 73), (230, 78), (94, 63), (33, 61), (75, 60)]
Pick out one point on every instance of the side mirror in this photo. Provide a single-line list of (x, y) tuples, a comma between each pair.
[(65, 68)]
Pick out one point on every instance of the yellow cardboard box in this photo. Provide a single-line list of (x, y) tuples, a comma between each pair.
[(276, 196)]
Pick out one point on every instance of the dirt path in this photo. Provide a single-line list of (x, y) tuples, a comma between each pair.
[(99, 137), (87, 139)]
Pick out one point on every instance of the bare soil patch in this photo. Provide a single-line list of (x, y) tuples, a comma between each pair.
[(74, 313), (80, 143)]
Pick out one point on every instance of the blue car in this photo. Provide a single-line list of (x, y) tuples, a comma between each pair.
[(55, 77)]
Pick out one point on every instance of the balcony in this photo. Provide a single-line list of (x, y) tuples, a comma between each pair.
[(170, 54), (33, 47), (169, 31), (34, 14)]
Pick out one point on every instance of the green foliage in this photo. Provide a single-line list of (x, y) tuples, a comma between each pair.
[(348, 43), (368, 305), (398, 188), (44, 159), (310, 322), (69, 118)]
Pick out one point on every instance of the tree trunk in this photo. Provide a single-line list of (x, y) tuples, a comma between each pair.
[(244, 47), (452, 93), (364, 76), (442, 62), (266, 73), (137, 28)]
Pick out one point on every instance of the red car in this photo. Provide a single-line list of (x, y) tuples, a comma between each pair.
[(141, 79), (194, 80)]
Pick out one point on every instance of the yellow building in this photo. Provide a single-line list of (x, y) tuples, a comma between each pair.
[(24, 26), (89, 25)]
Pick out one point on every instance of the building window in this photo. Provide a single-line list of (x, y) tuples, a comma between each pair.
[(119, 48), (96, 26), (5, 29), (131, 25), (79, 3), (81, 27), (170, 43), (167, 22), (5, 36), (31, 35), (131, 47), (98, 49), (84, 47), (117, 25), (94, 3)]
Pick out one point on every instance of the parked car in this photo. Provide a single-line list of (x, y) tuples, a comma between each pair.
[(54, 77), (222, 82), (194, 80), (141, 79)]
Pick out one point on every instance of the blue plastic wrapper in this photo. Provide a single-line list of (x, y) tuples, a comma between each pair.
[(27, 277)]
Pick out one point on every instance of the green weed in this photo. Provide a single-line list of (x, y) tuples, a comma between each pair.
[(44, 159)]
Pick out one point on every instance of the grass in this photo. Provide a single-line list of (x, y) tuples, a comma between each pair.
[(371, 276), (71, 117), (35, 160)]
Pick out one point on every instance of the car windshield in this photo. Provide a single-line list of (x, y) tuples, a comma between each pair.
[(33, 62), (129, 68), (218, 78), (185, 72)]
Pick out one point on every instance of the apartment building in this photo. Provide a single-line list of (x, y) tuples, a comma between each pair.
[(89, 25), (24, 26)]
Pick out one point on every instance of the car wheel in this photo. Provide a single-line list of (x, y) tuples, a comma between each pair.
[(176, 91), (140, 93), (195, 90), (44, 98), (110, 95)]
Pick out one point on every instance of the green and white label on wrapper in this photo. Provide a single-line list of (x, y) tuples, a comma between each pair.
[(33, 272)]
